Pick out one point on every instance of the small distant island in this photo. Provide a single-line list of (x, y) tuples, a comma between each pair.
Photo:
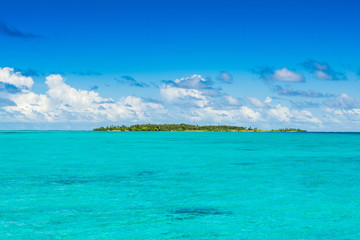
[(187, 127)]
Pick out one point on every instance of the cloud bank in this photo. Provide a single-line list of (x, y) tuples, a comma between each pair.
[(191, 99), (64, 103)]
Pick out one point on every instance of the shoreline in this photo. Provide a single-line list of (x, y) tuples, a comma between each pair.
[(198, 131), (90, 130), (191, 128)]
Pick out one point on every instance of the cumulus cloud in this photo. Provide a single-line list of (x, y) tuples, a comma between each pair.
[(210, 114), (179, 95), (268, 100), (128, 80), (286, 75), (65, 103), (197, 100), (60, 91), (323, 71), (280, 113), (231, 100), (258, 103), (283, 75), (31, 106), (305, 116), (16, 79), (271, 76), (343, 109), (343, 101), (197, 106), (191, 99), (225, 77), (196, 91), (342, 116), (192, 91), (284, 114), (196, 82)]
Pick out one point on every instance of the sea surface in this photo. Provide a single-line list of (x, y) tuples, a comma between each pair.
[(179, 185)]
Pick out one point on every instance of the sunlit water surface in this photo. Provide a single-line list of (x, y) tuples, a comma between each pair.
[(179, 185)]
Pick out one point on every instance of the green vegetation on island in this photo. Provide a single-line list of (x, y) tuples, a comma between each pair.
[(187, 127)]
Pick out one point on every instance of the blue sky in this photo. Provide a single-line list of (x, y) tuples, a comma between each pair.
[(268, 64)]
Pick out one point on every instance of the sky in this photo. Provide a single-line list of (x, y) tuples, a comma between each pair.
[(269, 64)]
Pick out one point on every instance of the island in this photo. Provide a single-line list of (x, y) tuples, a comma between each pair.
[(188, 127)]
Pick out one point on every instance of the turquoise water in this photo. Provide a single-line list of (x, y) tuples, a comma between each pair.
[(179, 185)]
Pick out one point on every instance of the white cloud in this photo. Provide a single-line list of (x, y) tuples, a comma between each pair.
[(199, 107), (141, 109), (345, 108), (305, 116), (250, 114), (353, 114), (284, 114), (192, 99), (280, 113), (342, 116), (323, 71), (322, 75), (65, 103), (231, 100), (193, 82), (7, 75), (286, 75), (31, 106), (197, 102), (64, 94), (232, 116), (225, 77), (192, 96), (203, 85), (343, 101), (259, 104), (268, 100)]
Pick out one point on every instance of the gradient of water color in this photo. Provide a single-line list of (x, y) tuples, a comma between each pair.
[(179, 185)]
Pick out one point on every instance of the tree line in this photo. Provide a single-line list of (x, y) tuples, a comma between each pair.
[(188, 127)]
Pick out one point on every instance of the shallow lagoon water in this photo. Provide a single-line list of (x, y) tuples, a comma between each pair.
[(179, 185)]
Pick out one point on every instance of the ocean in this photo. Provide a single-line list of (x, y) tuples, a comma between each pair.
[(179, 185)]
